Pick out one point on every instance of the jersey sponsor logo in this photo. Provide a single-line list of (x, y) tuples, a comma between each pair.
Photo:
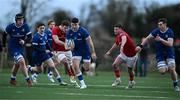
[(79, 39), (166, 36), (13, 30), (79, 34), (23, 30)]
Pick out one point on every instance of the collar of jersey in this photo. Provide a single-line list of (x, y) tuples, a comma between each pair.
[(41, 34), (17, 26), (164, 31)]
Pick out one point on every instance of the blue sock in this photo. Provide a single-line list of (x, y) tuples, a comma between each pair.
[(175, 83), (27, 78), (80, 77), (58, 78), (49, 69), (13, 77)]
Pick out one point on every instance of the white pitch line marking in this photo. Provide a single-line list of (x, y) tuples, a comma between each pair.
[(105, 95), (150, 87), (111, 86)]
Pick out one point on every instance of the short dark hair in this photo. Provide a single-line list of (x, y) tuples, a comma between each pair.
[(118, 25), (75, 20), (164, 20), (65, 23), (40, 24), (19, 16)]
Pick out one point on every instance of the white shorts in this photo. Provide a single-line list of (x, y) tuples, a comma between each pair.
[(130, 61), (165, 64), (60, 55)]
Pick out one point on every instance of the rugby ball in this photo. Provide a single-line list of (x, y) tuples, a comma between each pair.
[(70, 43)]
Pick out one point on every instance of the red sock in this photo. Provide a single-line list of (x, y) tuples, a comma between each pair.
[(68, 69), (72, 71), (117, 73), (131, 76)]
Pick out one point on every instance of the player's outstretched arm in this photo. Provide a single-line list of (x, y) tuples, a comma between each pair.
[(111, 49), (145, 41), (93, 53)]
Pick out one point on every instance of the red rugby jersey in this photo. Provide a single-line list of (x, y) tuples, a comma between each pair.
[(62, 36), (129, 47)]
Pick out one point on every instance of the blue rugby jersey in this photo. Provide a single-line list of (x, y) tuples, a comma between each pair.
[(163, 52), (79, 37), (49, 36), (16, 34), (39, 43)]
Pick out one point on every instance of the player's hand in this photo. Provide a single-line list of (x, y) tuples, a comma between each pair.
[(72, 46), (93, 55), (107, 55), (158, 38), (138, 49), (21, 42), (48, 51)]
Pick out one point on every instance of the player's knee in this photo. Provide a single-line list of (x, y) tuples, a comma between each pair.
[(162, 70), (40, 70), (171, 69), (64, 60), (21, 61), (130, 69), (52, 68), (114, 65)]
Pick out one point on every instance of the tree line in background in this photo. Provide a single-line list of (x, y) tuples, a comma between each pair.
[(100, 21)]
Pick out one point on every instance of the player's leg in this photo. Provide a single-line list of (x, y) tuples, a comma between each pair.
[(172, 71), (68, 55), (92, 69), (131, 63), (22, 65), (14, 73), (50, 73), (76, 62), (86, 65), (62, 58), (55, 71), (117, 71), (162, 66), (35, 72), (36, 67)]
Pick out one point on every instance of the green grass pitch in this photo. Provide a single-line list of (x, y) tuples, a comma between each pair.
[(153, 87)]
